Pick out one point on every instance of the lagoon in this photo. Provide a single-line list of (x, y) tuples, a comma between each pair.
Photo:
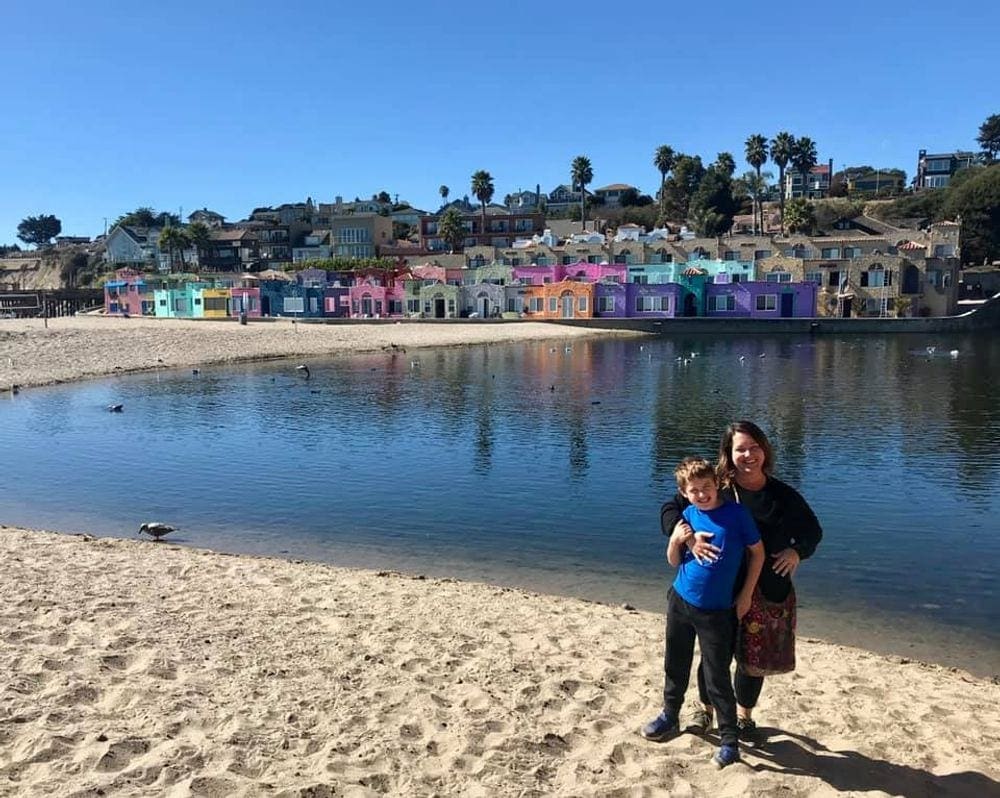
[(543, 465)]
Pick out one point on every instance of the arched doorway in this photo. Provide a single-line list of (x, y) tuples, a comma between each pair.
[(567, 305), (438, 303), (366, 305), (483, 305)]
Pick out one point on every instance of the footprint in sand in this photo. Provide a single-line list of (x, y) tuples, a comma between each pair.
[(120, 754), (212, 787)]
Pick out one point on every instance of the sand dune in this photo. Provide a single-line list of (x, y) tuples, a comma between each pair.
[(141, 668), (89, 346)]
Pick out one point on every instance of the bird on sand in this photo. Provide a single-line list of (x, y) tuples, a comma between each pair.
[(155, 529), (115, 408), (304, 369)]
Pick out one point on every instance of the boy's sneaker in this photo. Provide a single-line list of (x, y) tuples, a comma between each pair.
[(661, 728), (726, 755)]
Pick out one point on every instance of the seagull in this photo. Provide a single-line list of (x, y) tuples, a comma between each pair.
[(763, 354), (15, 390), (931, 350), (196, 371), (552, 387), (553, 349), (304, 369), (742, 359), (155, 529), (115, 408), (953, 353), (414, 364), (569, 349)]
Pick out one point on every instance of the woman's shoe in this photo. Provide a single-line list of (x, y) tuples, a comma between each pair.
[(701, 721), (746, 729)]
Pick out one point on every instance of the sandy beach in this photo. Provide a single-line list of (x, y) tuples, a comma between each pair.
[(79, 347), (134, 668)]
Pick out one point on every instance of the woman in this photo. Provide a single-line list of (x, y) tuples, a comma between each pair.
[(787, 525)]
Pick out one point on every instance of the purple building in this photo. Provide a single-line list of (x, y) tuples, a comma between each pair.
[(634, 301), (760, 300)]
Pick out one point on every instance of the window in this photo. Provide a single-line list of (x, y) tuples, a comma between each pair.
[(553, 304), (832, 253), (778, 277), (852, 252), (723, 303), (294, 304), (395, 306), (767, 302), (646, 304), (814, 277), (834, 280), (535, 304), (566, 260), (944, 250), (759, 254), (582, 304), (640, 279), (938, 165), (936, 181), (730, 255), (605, 304), (358, 235)]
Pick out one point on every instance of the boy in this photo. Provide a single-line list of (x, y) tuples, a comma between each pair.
[(700, 603)]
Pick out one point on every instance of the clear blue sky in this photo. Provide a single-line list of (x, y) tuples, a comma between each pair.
[(108, 106)]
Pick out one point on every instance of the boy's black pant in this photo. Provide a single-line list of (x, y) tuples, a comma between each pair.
[(716, 632)]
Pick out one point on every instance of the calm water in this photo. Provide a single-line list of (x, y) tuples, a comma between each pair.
[(541, 467)]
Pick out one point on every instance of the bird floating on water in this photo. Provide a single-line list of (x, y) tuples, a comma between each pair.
[(15, 390), (953, 353), (742, 359), (762, 355), (304, 369), (115, 408), (155, 529), (196, 371), (931, 350)]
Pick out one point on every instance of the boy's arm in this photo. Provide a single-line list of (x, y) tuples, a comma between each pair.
[(755, 563), (676, 546)]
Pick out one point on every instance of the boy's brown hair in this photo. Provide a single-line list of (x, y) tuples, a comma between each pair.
[(694, 468)]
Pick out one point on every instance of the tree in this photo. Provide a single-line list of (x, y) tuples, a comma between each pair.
[(755, 186), (174, 239), (482, 187), (755, 150), (713, 205), (989, 136), (8, 249), (804, 160), (799, 216), (725, 163), (39, 230), (663, 160), (631, 198), (683, 182), (782, 146), (384, 198), (444, 191), (582, 174), (976, 202), (199, 236), (451, 229)]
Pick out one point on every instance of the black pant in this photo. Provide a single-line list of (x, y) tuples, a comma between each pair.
[(715, 630), (747, 687)]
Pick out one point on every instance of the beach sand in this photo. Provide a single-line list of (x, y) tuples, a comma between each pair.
[(78, 347), (134, 668)]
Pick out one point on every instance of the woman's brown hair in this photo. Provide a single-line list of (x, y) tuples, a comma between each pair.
[(726, 469)]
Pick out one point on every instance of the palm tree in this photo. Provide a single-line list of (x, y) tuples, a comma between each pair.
[(663, 160), (725, 163), (450, 228), (755, 149), (482, 187), (444, 191), (804, 159), (582, 174), (199, 235), (173, 239), (782, 146)]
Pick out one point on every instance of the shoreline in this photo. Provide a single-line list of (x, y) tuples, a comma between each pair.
[(143, 668), (74, 348)]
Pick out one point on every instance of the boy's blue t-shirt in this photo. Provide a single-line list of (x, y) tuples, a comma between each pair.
[(709, 586)]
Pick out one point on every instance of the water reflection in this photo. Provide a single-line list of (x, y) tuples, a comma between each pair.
[(540, 463)]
